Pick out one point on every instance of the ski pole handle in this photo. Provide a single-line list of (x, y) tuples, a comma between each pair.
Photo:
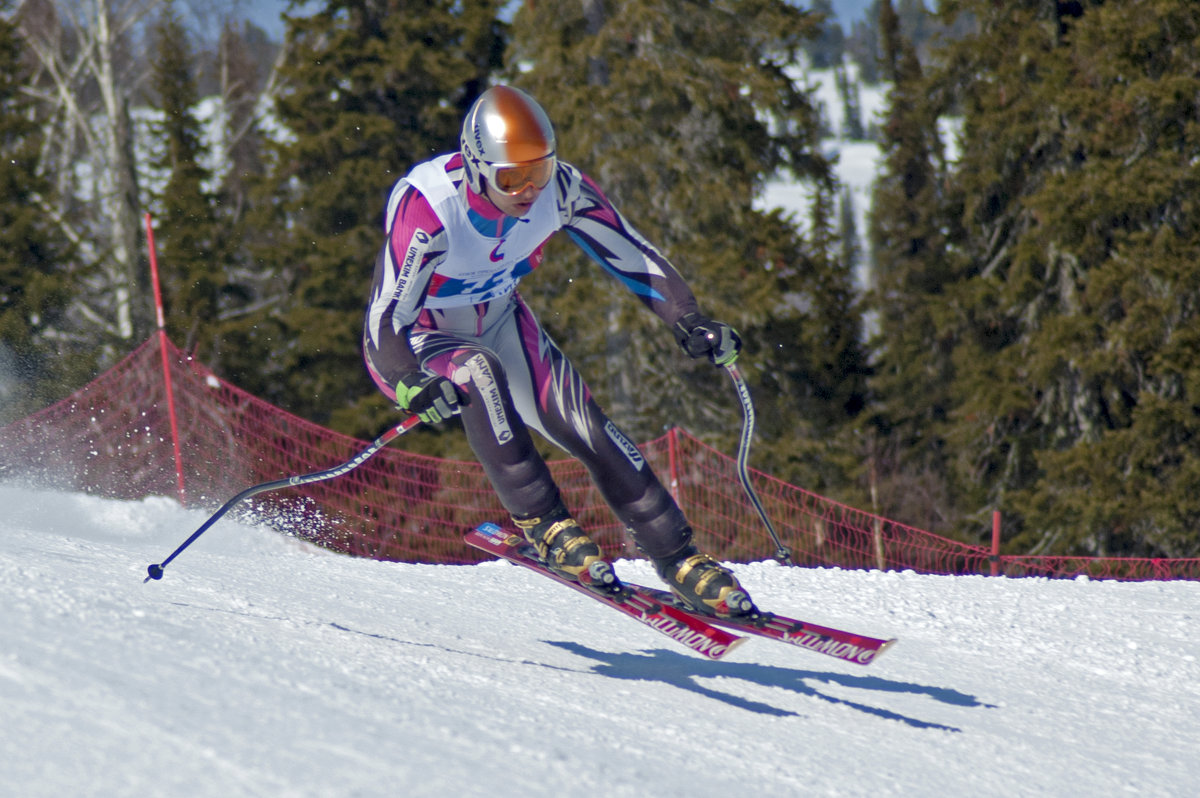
[(155, 571), (781, 553)]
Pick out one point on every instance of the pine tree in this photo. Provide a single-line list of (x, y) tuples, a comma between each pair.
[(37, 365), (826, 50), (254, 290), (862, 45), (241, 78), (190, 241), (680, 111), (911, 267), (850, 255), (848, 91), (816, 387), (1069, 321), (369, 89)]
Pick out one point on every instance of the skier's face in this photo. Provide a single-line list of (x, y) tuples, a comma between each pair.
[(513, 204)]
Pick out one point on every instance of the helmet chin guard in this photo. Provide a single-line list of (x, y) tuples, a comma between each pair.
[(505, 129)]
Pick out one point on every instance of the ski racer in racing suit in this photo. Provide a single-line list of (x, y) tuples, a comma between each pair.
[(447, 333)]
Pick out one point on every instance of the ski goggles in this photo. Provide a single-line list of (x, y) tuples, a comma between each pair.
[(512, 179)]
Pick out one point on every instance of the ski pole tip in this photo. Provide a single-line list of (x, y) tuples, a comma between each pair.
[(155, 571)]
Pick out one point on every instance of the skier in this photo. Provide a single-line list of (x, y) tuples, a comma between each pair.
[(447, 333)]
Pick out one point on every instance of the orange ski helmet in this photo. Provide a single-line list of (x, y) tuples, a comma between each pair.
[(507, 140)]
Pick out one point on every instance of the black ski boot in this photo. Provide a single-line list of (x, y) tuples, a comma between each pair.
[(567, 550), (704, 584)]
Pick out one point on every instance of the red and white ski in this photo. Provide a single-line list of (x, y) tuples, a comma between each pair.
[(704, 634), (846, 646), (693, 631)]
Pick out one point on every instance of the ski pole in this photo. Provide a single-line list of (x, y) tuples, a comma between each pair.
[(781, 553), (155, 571)]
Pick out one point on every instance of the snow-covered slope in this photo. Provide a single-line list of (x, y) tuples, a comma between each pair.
[(260, 666)]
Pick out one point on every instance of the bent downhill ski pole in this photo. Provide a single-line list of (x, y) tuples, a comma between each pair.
[(781, 553), (155, 571)]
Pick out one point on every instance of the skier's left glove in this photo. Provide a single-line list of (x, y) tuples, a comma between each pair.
[(700, 336), (431, 398)]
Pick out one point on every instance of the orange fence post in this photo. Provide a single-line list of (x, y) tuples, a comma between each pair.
[(162, 347)]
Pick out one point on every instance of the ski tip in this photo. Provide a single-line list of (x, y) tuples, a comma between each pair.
[(879, 651), (735, 643)]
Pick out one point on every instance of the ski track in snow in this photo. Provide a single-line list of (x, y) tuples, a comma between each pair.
[(261, 666)]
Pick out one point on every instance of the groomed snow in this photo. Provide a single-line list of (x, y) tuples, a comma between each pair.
[(260, 666)]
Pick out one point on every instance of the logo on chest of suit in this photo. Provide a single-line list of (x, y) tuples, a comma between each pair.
[(496, 255)]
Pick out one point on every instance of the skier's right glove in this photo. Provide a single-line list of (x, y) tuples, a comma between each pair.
[(700, 336), (431, 398)]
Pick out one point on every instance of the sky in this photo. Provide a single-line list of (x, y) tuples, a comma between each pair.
[(261, 666), (849, 11)]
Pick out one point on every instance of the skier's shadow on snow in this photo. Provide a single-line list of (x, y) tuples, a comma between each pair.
[(685, 672)]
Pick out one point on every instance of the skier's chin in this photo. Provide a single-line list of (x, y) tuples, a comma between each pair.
[(513, 205)]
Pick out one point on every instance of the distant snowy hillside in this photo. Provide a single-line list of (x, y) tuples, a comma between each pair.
[(856, 162)]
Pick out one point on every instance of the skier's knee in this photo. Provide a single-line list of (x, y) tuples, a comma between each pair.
[(484, 371)]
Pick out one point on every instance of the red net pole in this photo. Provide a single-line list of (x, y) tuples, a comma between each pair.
[(995, 558), (162, 347), (672, 463)]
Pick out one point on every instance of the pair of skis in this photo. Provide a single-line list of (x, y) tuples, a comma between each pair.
[(708, 636)]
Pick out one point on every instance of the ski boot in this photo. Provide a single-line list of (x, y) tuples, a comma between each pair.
[(568, 551), (704, 585)]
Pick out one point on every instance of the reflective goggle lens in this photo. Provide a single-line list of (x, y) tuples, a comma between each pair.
[(514, 179)]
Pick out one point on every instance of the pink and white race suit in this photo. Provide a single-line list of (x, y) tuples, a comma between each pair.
[(445, 300)]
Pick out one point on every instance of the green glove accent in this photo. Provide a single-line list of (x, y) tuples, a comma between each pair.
[(431, 398)]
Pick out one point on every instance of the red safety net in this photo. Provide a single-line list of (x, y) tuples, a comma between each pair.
[(113, 438)]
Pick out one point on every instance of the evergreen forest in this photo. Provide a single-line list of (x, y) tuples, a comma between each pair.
[(1027, 338)]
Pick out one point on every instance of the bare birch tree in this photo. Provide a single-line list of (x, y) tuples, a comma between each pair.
[(89, 70), (87, 76)]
